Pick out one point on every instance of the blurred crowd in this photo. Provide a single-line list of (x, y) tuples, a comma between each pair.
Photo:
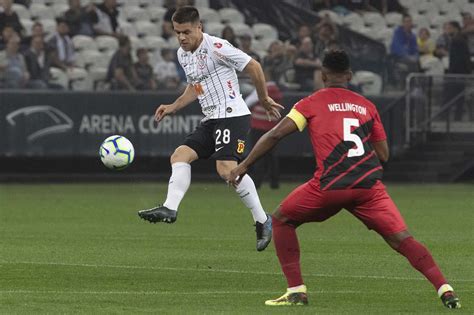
[(26, 60)]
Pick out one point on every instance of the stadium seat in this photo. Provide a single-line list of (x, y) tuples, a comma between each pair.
[(229, 15), (370, 83), (431, 65), (58, 76), (241, 28), (209, 15), (41, 12), (428, 8), (53, 2), (214, 29), (468, 7), (60, 9), (127, 28), (353, 20), (21, 10), (154, 43), (382, 34), (92, 58), (262, 30), (106, 43), (136, 42), (79, 79), (259, 45), (173, 42), (409, 4), (82, 42), (438, 21), (393, 19), (49, 25), (448, 8), (201, 4), (156, 13), (135, 14), (420, 21), (146, 28), (40, 1), (97, 78), (27, 24), (374, 20), (461, 4)]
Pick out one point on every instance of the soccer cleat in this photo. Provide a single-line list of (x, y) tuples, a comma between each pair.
[(158, 214), (290, 298), (264, 233), (450, 300)]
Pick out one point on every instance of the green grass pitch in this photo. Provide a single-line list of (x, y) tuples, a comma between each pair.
[(81, 248)]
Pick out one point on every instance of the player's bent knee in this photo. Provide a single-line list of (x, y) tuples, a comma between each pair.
[(183, 154), (394, 240)]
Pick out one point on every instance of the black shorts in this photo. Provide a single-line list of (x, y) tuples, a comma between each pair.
[(220, 139)]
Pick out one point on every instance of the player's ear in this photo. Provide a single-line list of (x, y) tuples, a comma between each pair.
[(349, 76), (324, 76)]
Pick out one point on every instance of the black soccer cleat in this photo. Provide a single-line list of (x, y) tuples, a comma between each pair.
[(450, 300), (264, 233), (158, 214)]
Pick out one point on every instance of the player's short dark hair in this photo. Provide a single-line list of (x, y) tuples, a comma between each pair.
[(336, 61), (186, 14)]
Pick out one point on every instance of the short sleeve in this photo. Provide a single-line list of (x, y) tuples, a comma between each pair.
[(230, 56), (304, 107), (378, 132), (179, 55)]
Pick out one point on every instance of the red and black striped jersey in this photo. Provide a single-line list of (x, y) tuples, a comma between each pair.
[(342, 125)]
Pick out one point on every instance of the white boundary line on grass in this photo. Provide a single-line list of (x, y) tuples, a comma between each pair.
[(56, 292), (220, 270)]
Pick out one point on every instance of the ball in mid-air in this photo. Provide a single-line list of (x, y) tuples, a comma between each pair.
[(116, 152)]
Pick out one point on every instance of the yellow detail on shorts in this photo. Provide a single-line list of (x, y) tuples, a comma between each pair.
[(298, 118)]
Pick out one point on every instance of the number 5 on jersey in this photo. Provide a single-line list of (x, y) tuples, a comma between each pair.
[(349, 136)]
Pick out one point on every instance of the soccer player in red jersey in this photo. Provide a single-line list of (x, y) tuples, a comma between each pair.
[(349, 145)]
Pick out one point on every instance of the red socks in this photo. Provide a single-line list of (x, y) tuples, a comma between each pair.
[(421, 259), (288, 251)]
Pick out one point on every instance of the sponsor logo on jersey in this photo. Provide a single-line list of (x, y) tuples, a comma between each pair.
[(218, 45), (240, 146), (225, 58), (231, 90)]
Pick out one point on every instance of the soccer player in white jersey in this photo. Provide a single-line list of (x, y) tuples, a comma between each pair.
[(210, 63)]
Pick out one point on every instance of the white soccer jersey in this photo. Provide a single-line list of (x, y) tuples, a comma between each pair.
[(211, 71)]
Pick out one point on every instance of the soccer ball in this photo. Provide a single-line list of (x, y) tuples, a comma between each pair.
[(116, 152)]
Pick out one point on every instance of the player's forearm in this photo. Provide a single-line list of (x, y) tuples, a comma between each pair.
[(263, 145), (255, 71), (186, 98)]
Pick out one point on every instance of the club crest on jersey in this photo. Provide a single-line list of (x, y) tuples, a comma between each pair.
[(218, 45), (240, 146)]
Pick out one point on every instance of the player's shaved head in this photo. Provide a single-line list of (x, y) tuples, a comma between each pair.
[(336, 68), (186, 14)]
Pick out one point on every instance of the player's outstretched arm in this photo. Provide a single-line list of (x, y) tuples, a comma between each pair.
[(255, 71), (285, 127), (185, 99)]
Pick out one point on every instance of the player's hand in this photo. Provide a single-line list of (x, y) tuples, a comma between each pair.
[(273, 109), (237, 174), (164, 110)]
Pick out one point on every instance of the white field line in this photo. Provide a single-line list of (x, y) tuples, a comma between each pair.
[(57, 292), (220, 270)]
